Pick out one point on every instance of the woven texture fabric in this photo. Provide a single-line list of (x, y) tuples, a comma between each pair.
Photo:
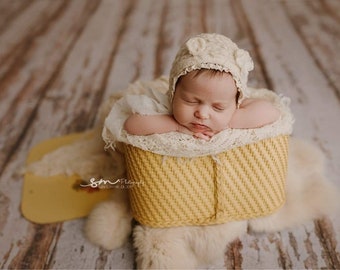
[(242, 183)]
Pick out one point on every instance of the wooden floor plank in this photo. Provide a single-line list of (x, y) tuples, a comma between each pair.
[(294, 73), (29, 24), (244, 37), (79, 84), (321, 35), (30, 79), (9, 9), (332, 8), (69, 105), (61, 59), (134, 57)]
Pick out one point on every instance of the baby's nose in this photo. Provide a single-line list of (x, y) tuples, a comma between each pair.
[(202, 113)]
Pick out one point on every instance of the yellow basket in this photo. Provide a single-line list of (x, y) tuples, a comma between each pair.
[(242, 183)]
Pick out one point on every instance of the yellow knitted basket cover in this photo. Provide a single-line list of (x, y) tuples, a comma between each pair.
[(241, 183)]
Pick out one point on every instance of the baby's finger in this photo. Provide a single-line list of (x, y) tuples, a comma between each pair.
[(209, 133), (202, 136)]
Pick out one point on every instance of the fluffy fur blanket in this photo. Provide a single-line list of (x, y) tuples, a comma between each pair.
[(309, 195)]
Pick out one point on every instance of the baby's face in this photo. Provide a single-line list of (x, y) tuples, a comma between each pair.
[(206, 102)]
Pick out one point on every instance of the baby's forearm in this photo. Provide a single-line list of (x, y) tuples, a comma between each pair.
[(142, 125), (254, 113)]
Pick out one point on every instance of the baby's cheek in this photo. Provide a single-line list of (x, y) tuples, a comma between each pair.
[(222, 123), (184, 112), (180, 115)]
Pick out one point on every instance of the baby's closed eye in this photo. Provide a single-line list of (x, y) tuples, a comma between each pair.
[(219, 108)]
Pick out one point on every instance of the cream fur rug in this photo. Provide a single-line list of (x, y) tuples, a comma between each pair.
[(310, 195)]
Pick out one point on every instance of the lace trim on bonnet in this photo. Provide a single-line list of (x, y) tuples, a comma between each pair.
[(152, 99)]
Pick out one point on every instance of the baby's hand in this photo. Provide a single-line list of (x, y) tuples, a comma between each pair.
[(205, 135)]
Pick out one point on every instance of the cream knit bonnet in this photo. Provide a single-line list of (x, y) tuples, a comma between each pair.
[(211, 51)]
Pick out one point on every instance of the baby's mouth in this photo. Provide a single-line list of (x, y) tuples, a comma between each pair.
[(199, 127)]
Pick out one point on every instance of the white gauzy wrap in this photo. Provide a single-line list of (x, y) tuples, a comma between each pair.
[(152, 99)]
